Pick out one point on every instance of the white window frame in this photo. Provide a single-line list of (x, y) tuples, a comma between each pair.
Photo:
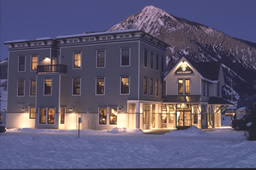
[(73, 86), (121, 85), (121, 57), (96, 86), (46, 121), (31, 62), (30, 112), (44, 87), (107, 121), (144, 86), (108, 117), (105, 53), (24, 63), (184, 86), (73, 60), (24, 89), (30, 88)]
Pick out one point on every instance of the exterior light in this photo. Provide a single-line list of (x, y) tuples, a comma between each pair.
[(71, 109)]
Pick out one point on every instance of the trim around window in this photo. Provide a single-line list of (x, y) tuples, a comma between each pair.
[(129, 82), (25, 58), (32, 64), (105, 62), (97, 84), (44, 87), (73, 86), (30, 86), (24, 89), (73, 60), (129, 49)]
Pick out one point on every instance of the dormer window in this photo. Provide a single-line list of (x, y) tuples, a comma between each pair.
[(184, 86)]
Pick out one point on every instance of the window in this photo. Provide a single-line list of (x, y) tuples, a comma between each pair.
[(34, 62), (180, 86), (51, 115), (32, 87), (100, 58), (21, 87), (151, 86), (42, 117), (113, 116), (125, 57), (62, 115), (124, 85), (152, 60), (77, 60), (157, 62), (32, 113), (76, 86), (47, 86), (156, 87), (146, 115), (145, 58), (100, 86), (103, 116), (145, 85), (187, 86), (21, 63)]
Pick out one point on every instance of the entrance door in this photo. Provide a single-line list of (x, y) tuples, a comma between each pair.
[(183, 118)]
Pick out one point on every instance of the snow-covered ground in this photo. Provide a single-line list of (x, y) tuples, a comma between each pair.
[(192, 148)]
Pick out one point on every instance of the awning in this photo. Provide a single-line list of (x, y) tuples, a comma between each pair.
[(182, 99), (218, 100)]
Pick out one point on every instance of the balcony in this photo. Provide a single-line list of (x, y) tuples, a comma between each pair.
[(57, 68)]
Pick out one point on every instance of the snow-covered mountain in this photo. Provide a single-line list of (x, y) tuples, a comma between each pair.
[(200, 43)]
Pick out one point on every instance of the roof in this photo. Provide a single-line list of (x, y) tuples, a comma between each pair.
[(182, 99), (218, 100), (209, 70)]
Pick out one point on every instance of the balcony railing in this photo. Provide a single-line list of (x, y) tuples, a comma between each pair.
[(57, 68)]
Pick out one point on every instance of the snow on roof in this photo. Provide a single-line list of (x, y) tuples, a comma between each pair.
[(44, 38), (97, 33), (13, 41)]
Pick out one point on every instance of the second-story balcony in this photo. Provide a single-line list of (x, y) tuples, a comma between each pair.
[(57, 68)]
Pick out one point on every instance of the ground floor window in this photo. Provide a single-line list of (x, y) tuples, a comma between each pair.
[(153, 116), (32, 113), (62, 115), (42, 117), (103, 116), (47, 114), (113, 116), (164, 114), (146, 113)]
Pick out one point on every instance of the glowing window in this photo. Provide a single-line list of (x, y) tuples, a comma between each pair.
[(77, 60), (34, 62), (47, 86), (180, 86), (32, 113), (124, 85), (51, 115), (100, 86), (42, 117), (113, 116), (103, 116), (187, 86)]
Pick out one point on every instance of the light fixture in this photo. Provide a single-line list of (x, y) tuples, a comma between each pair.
[(71, 108)]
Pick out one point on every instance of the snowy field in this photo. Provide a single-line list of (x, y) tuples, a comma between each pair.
[(191, 148)]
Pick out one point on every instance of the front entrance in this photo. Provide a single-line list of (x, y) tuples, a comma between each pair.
[(184, 118)]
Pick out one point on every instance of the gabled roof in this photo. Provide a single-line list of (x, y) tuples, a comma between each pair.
[(208, 70)]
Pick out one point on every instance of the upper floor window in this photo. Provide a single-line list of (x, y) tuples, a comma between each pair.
[(183, 86), (145, 84), (157, 62), (187, 86), (34, 62), (32, 113), (145, 57), (156, 87), (125, 85), (21, 87), (22, 63), (180, 86), (100, 85), (152, 60), (76, 86), (100, 58), (47, 86), (151, 86), (32, 87), (77, 60), (162, 63), (125, 57)]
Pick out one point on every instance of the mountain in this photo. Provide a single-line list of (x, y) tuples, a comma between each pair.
[(200, 43)]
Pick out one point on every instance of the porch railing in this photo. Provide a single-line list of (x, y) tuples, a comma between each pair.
[(57, 68)]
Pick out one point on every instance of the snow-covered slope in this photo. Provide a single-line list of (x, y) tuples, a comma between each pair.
[(201, 43)]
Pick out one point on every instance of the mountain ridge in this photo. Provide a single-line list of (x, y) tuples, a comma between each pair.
[(200, 43)]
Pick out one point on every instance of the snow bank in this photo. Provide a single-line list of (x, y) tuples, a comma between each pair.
[(124, 130), (192, 131)]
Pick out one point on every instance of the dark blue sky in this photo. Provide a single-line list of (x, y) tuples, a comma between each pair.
[(30, 19)]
